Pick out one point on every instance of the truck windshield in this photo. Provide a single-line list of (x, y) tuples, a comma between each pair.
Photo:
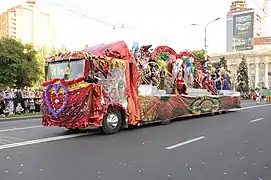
[(58, 69)]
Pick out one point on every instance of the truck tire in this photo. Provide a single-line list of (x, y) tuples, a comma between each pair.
[(220, 112), (112, 122), (165, 122), (212, 113)]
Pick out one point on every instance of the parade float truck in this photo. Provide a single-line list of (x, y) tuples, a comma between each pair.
[(103, 86)]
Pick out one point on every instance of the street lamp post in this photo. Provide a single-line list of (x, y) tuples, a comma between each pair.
[(205, 34)]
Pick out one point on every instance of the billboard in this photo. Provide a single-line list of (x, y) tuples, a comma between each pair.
[(243, 24)]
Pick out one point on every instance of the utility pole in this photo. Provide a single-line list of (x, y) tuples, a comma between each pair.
[(205, 34), (261, 75)]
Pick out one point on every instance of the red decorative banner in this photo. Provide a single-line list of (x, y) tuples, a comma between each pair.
[(84, 108)]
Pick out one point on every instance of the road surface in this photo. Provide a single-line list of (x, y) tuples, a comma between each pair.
[(234, 146)]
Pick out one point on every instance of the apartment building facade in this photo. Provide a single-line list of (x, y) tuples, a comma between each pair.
[(29, 24)]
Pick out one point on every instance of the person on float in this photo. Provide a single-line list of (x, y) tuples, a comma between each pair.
[(208, 83), (163, 76), (177, 67), (180, 86), (218, 80), (225, 79), (198, 80), (188, 70), (135, 51), (67, 72), (152, 73)]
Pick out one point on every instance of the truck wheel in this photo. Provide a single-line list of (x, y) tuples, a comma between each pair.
[(112, 122), (212, 113), (165, 122)]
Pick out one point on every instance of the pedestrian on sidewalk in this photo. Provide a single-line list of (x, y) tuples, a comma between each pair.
[(258, 97), (2, 105)]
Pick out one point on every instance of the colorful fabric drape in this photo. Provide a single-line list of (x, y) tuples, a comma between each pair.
[(84, 107), (154, 108)]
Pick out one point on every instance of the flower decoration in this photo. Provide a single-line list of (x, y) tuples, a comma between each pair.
[(162, 60), (57, 87)]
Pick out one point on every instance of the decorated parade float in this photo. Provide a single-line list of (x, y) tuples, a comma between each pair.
[(112, 87)]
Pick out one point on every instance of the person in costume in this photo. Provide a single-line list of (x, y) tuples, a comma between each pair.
[(67, 72), (163, 76), (152, 73), (189, 71), (198, 79), (180, 86), (218, 80), (225, 79), (135, 51), (208, 83), (177, 67)]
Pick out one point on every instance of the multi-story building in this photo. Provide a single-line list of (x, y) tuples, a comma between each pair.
[(258, 62), (239, 5), (29, 24), (242, 25)]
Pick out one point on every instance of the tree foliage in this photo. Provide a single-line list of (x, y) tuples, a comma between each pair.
[(242, 76), (222, 63), (41, 57), (19, 65), (199, 54)]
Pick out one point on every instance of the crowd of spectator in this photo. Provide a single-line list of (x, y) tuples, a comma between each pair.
[(20, 101)]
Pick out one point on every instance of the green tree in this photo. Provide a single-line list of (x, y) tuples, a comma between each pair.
[(18, 63), (199, 54), (221, 63), (41, 58), (242, 76)]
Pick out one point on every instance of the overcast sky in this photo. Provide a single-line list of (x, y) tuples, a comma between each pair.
[(145, 21)]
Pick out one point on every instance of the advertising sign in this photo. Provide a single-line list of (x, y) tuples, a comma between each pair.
[(243, 31)]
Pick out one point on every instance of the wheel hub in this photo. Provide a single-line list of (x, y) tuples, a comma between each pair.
[(112, 120)]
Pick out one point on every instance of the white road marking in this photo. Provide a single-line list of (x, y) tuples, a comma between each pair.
[(250, 107), (184, 143), (25, 143), (255, 120), (18, 129)]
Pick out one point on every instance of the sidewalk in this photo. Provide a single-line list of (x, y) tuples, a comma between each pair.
[(249, 102), (3, 119)]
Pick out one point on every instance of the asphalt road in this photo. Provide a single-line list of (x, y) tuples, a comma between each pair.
[(234, 146)]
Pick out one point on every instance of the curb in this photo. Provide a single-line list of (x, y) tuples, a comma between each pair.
[(20, 118)]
